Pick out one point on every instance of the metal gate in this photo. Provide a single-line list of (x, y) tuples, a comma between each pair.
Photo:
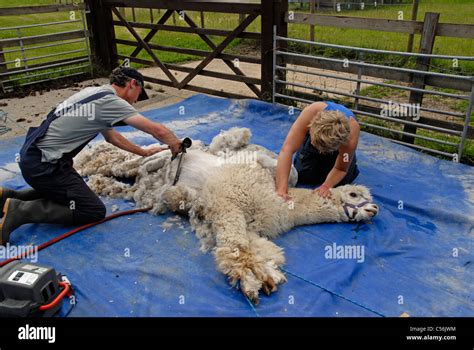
[(377, 110), (18, 52)]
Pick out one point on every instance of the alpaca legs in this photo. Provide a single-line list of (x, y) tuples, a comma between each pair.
[(246, 257), (270, 258), (232, 252)]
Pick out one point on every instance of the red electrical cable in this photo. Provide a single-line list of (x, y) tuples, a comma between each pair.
[(76, 230)]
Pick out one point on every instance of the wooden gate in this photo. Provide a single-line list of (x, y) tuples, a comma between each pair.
[(102, 24)]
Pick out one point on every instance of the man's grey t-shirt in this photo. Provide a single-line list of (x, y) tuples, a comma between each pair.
[(75, 127)]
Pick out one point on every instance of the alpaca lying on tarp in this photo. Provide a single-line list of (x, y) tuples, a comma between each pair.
[(228, 191)]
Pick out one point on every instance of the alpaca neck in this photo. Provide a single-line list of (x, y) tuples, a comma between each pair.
[(310, 208)]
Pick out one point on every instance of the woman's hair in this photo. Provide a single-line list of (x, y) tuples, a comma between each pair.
[(329, 130)]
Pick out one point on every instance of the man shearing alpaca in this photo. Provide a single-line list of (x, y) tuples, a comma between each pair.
[(59, 194), (325, 137)]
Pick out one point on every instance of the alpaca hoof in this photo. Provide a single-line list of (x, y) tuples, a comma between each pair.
[(274, 276), (250, 286), (266, 288), (253, 297), (269, 286)]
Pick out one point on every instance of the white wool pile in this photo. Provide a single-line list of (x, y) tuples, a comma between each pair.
[(108, 160), (232, 139)]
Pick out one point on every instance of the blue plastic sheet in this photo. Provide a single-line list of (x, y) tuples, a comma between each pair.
[(418, 251)]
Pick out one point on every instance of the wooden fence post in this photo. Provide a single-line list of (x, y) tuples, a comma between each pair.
[(414, 14), (102, 36), (428, 35), (273, 13)]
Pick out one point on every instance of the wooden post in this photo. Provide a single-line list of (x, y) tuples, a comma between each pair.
[(273, 13), (311, 27), (133, 14), (414, 14), (266, 49), (151, 16), (102, 36), (202, 20), (428, 35)]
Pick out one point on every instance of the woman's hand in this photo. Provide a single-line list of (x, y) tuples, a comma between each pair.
[(286, 197), (324, 191)]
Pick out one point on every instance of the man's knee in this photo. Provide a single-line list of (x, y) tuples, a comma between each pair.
[(99, 212), (89, 214)]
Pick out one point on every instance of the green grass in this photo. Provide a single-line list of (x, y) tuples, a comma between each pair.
[(452, 11), (12, 21), (182, 40), (468, 154)]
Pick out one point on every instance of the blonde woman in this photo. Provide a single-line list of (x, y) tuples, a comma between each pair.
[(324, 137)]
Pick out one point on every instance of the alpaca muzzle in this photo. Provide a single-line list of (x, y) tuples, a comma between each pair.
[(355, 209)]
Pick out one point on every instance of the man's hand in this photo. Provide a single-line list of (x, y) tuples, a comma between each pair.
[(157, 130), (146, 152), (324, 191), (176, 148)]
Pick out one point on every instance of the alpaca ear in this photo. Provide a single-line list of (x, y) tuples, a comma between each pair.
[(336, 195)]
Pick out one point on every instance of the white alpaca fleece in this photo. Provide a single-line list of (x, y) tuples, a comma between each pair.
[(232, 206)]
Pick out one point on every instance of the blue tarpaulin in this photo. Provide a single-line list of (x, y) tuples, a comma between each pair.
[(418, 252)]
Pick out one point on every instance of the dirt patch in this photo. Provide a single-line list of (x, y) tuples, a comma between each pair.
[(26, 111)]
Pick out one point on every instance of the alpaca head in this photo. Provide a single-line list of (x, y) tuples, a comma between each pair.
[(356, 202)]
